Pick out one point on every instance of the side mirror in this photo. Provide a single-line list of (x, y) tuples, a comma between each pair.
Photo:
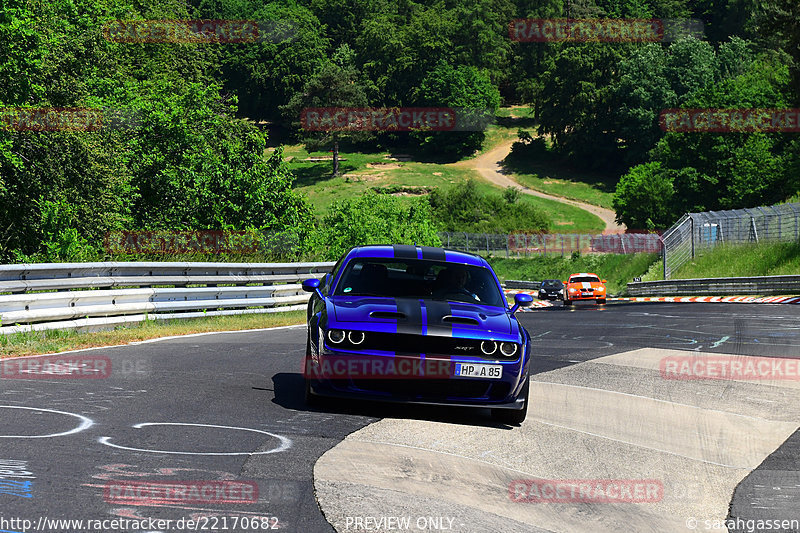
[(521, 300), (311, 285), (605, 281)]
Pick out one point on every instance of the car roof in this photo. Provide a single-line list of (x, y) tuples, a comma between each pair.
[(407, 251)]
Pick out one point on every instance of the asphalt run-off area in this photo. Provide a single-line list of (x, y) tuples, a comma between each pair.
[(642, 417)]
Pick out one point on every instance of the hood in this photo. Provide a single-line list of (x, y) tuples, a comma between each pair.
[(433, 317)]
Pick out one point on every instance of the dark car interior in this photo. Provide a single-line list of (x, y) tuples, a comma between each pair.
[(419, 279)]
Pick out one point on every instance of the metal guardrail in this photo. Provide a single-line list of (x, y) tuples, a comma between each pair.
[(165, 290), (519, 284), (758, 286)]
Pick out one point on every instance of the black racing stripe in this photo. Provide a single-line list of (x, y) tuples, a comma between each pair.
[(437, 309), (404, 251), (434, 254), (413, 310)]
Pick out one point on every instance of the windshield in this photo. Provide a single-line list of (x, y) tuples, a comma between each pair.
[(585, 279), (551, 284), (419, 278)]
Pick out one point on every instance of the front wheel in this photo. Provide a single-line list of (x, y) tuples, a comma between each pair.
[(567, 302), (602, 302), (514, 416)]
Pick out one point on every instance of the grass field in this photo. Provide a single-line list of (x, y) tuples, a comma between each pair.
[(618, 269), (45, 342), (387, 171), (560, 179)]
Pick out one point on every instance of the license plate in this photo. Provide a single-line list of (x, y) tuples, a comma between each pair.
[(468, 370)]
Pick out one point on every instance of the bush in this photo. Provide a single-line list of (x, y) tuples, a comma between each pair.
[(374, 219), (464, 208)]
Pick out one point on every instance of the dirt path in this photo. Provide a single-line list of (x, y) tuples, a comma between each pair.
[(490, 166)]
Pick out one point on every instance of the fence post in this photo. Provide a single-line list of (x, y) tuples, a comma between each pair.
[(664, 256), (507, 238), (691, 221), (466, 238), (487, 244)]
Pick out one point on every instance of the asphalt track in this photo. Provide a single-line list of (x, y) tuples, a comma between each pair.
[(228, 407)]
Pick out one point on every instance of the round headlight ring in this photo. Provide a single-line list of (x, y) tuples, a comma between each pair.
[(485, 345), (336, 336), (508, 348), (356, 337)]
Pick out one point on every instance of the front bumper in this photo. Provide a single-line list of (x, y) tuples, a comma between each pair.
[(550, 296), (324, 389), (443, 388), (592, 296)]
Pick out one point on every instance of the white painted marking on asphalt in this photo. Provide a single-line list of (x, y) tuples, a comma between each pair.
[(85, 423), (285, 443)]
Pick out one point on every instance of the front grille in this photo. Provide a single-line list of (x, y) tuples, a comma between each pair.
[(409, 344)]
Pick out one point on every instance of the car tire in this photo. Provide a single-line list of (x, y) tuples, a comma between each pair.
[(514, 417), (567, 302), (602, 302), (311, 399)]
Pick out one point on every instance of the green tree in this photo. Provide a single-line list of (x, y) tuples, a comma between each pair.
[(266, 74), (643, 198), (467, 90), (375, 219), (578, 105), (335, 84)]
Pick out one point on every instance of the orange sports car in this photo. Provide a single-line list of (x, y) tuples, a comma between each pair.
[(584, 286)]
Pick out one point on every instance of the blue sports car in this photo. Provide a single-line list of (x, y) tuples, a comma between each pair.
[(417, 325)]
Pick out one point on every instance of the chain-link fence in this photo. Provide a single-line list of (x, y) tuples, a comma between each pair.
[(696, 232), (522, 245)]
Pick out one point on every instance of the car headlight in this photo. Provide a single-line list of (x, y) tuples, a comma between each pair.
[(508, 348), (488, 347), (356, 337), (573, 290), (601, 289), (336, 336)]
